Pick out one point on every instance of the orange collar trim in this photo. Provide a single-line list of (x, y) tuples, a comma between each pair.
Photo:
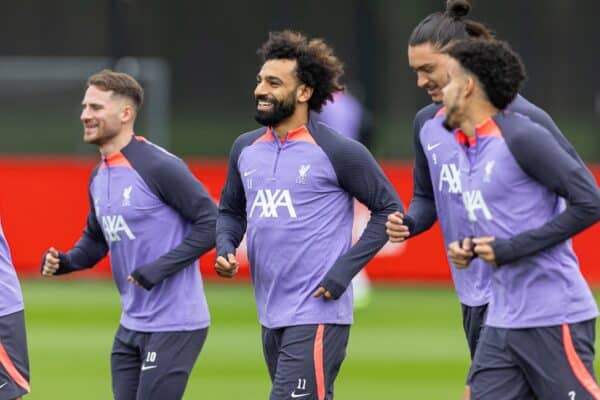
[(299, 134), (115, 160), (486, 128)]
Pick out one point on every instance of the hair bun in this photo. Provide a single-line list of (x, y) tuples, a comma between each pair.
[(457, 8)]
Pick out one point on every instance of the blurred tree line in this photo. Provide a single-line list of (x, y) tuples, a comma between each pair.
[(210, 49)]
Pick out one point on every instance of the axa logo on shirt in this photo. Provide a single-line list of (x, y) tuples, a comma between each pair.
[(474, 201), (270, 203), (451, 176), (114, 225)]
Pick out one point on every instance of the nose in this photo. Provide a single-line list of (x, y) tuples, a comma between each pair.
[(260, 89), (422, 79), (84, 114)]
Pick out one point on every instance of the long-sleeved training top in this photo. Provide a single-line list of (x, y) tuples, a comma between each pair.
[(472, 284), (295, 197), (156, 219), (11, 299), (511, 182)]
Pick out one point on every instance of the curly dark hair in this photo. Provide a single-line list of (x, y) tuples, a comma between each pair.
[(498, 68), (317, 65), (441, 28)]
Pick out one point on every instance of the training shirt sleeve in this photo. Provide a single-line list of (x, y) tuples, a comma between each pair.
[(359, 174), (421, 213), (548, 163), (176, 186), (231, 222)]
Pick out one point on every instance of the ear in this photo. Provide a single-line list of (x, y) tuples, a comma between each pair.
[(470, 86), (304, 93), (127, 113)]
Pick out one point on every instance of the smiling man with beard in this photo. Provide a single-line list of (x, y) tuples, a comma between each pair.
[(290, 188), (524, 196)]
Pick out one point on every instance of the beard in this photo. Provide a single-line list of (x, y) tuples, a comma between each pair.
[(451, 121), (282, 109), (453, 114), (100, 136)]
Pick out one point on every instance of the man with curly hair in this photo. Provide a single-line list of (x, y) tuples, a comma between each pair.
[(431, 203), (514, 178), (290, 188)]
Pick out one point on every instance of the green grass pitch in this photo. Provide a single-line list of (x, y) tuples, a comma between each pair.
[(407, 344)]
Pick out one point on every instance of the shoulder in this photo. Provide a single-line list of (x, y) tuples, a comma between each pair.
[(523, 106), (426, 113), (336, 146), (246, 139), (147, 156), (435, 121), (519, 129)]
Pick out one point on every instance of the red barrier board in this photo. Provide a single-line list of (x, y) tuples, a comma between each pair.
[(45, 203)]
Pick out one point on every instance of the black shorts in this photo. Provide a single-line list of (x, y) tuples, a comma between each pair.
[(473, 320), (14, 360), (546, 363), (153, 365), (304, 360)]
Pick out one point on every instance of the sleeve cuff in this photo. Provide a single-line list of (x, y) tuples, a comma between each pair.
[(503, 251), (142, 280), (333, 287), (410, 223)]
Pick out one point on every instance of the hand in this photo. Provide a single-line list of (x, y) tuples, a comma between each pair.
[(131, 279), (461, 253), (321, 291), (227, 268), (484, 250), (51, 262), (395, 229)]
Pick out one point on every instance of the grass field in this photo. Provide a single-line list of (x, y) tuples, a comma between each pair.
[(408, 344)]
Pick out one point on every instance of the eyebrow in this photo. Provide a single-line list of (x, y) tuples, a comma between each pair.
[(271, 78), (424, 66)]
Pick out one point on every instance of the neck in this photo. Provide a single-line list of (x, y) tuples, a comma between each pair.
[(116, 143), (476, 115), (294, 122)]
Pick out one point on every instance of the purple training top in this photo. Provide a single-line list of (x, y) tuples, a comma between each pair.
[(296, 199), (156, 219)]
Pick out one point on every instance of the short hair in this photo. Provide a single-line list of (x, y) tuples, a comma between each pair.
[(496, 66), (120, 83), (441, 28), (317, 65)]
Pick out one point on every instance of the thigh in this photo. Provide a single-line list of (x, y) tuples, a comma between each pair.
[(167, 361), (309, 360), (494, 375), (14, 359), (271, 343), (125, 362), (558, 360), (473, 320)]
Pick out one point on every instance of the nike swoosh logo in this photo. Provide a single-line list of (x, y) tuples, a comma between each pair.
[(4, 384), (250, 172), (295, 396), (433, 146), (147, 367)]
